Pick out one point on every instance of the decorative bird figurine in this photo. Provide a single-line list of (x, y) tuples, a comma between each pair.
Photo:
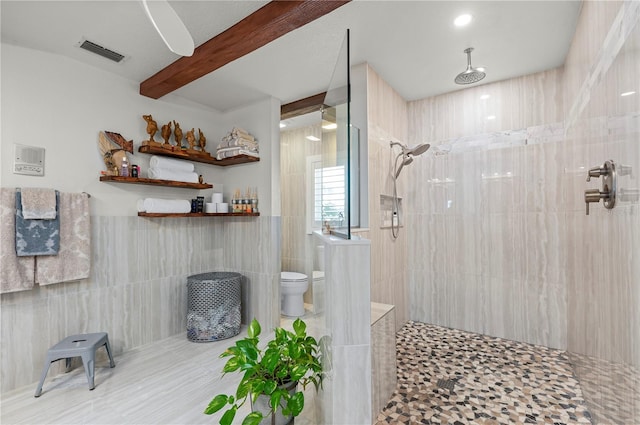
[(177, 134), (152, 128), (166, 133), (191, 138), (202, 141)]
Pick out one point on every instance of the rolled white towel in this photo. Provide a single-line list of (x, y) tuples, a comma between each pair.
[(154, 205), (171, 164), (178, 176)]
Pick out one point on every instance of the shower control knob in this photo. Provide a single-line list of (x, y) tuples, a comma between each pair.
[(597, 172), (609, 185), (593, 195)]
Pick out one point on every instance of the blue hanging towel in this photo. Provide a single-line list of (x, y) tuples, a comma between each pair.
[(35, 236)]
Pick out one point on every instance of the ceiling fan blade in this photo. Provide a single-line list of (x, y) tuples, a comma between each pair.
[(170, 27)]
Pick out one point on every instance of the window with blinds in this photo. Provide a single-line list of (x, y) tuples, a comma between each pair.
[(329, 195)]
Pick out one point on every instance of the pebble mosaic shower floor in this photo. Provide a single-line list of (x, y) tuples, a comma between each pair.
[(447, 376)]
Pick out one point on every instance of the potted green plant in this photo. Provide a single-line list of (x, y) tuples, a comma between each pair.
[(271, 374)]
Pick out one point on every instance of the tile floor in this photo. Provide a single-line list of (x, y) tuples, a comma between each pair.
[(447, 376), (167, 382)]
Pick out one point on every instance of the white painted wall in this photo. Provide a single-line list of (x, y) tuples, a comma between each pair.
[(136, 291), (61, 105), (261, 120)]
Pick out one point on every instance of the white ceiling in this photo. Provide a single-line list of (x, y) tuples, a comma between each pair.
[(413, 45)]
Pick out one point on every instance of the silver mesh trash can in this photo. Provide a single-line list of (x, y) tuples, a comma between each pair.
[(213, 306)]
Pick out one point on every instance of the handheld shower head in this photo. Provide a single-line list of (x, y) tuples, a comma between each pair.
[(406, 160), (407, 155), (395, 176)]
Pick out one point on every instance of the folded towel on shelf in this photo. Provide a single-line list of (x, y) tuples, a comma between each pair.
[(171, 164), (231, 152), (238, 142), (73, 261), (154, 205), (178, 176), (39, 204), (36, 237), (240, 138), (16, 273), (240, 132)]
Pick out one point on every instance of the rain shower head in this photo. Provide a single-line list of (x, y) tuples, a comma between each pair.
[(418, 149), (470, 75)]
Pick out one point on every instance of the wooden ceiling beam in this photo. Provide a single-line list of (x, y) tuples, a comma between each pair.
[(303, 106), (266, 24)]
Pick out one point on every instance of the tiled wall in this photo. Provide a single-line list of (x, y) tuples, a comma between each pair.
[(298, 249), (384, 377), (346, 397), (502, 245), (387, 121), (137, 288), (484, 249), (603, 249)]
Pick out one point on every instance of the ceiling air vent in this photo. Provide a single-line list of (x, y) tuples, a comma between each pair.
[(102, 51)]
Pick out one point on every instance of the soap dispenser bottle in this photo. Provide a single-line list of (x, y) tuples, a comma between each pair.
[(124, 168)]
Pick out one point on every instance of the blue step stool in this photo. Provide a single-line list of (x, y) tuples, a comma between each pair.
[(83, 345)]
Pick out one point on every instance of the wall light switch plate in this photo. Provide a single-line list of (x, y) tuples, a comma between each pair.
[(28, 160)]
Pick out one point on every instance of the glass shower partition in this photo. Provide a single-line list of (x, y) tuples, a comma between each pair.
[(336, 172)]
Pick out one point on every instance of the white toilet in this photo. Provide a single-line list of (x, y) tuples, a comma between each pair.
[(292, 288)]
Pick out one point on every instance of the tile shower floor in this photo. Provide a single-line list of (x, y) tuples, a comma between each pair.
[(447, 376)]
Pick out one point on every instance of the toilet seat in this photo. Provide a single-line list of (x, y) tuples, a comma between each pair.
[(292, 277)]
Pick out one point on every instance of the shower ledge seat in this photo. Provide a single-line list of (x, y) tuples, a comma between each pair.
[(83, 345)]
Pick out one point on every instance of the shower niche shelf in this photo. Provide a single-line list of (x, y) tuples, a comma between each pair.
[(386, 211)]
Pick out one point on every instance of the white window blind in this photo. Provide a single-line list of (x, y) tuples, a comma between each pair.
[(329, 195)]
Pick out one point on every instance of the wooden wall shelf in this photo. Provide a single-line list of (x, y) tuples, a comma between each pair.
[(144, 214), (154, 182), (239, 159)]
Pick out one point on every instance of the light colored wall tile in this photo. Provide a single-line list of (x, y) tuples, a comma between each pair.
[(298, 250), (349, 399), (387, 121), (484, 210), (137, 288), (603, 249), (383, 359)]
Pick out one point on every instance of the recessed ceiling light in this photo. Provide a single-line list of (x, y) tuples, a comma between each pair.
[(491, 117), (462, 20), (331, 126), (485, 97), (282, 125), (313, 138), (627, 93)]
